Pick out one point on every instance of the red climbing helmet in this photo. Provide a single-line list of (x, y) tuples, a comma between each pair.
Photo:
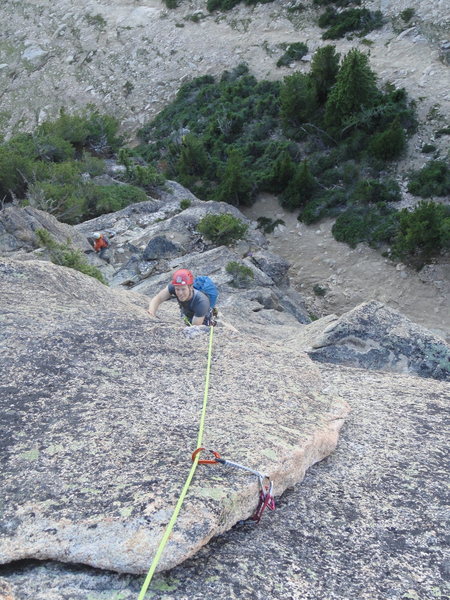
[(182, 277)]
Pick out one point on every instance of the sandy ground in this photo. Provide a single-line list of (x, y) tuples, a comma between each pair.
[(354, 276)]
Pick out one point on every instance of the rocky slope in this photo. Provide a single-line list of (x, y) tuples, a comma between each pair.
[(101, 407), (368, 522), (129, 58)]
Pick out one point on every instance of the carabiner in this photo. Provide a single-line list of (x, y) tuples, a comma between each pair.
[(205, 461)]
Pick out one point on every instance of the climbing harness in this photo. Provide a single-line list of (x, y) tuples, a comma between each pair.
[(266, 499)]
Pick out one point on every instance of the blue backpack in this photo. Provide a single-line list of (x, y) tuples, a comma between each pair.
[(205, 284)]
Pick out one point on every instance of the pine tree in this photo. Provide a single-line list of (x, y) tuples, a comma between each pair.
[(193, 157), (235, 187), (355, 88), (389, 144), (283, 169), (324, 69), (300, 189), (297, 100)]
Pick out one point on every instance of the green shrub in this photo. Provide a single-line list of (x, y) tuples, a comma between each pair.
[(242, 275), (354, 89), (92, 165), (185, 203), (324, 69), (432, 180), (300, 189), (64, 200), (193, 157), (89, 130), (330, 203), (428, 148), (236, 186), (66, 256), (298, 101), (389, 144), (15, 172), (294, 52), (376, 190), (53, 148), (358, 20), (319, 290), (407, 14), (423, 233), (372, 224), (279, 174), (103, 199), (146, 177), (222, 229)]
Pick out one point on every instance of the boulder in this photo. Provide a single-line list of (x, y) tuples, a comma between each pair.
[(273, 265), (374, 336), (101, 408), (18, 230), (160, 247)]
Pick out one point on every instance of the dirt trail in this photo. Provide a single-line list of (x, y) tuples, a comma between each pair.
[(353, 276)]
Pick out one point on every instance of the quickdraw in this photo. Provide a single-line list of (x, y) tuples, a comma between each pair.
[(266, 499)]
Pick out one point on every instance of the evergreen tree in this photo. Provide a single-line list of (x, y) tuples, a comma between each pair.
[(389, 144), (235, 187), (193, 157), (324, 69), (297, 100), (283, 169), (300, 189), (355, 88), (423, 233)]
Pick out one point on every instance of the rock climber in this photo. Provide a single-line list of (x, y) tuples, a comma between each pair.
[(101, 244), (194, 304)]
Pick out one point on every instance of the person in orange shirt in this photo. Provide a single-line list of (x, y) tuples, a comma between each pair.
[(100, 244)]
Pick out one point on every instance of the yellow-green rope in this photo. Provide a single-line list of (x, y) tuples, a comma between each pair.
[(184, 491)]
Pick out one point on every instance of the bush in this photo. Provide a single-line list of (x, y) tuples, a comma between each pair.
[(330, 203), (389, 144), (103, 199), (298, 101), (236, 186), (428, 148), (407, 14), (374, 190), (66, 256), (319, 290), (89, 130), (294, 52), (432, 180), (300, 188), (185, 203), (222, 229), (359, 20), (15, 172), (372, 224), (354, 89), (281, 172), (242, 275), (423, 233), (324, 69)]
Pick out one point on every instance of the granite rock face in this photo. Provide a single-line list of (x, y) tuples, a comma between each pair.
[(18, 230), (101, 407), (367, 523), (374, 336)]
